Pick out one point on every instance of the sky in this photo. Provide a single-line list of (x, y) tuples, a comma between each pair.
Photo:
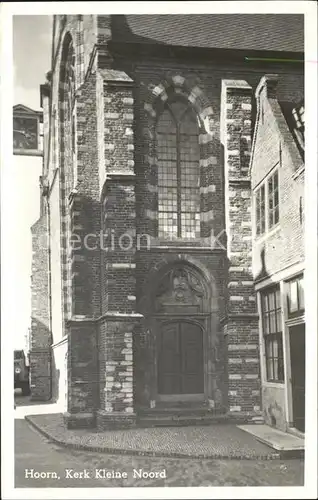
[(31, 60), (32, 37)]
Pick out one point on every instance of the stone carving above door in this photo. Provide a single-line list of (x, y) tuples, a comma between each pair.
[(180, 289)]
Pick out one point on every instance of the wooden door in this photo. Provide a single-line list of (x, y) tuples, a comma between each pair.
[(180, 360), (297, 359)]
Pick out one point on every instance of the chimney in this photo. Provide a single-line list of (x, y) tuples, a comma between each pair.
[(267, 87)]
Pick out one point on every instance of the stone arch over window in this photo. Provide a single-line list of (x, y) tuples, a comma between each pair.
[(173, 91), (67, 160)]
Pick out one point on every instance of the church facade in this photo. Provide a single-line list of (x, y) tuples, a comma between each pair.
[(143, 294)]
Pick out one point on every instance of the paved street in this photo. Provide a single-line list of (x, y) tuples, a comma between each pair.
[(33, 451)]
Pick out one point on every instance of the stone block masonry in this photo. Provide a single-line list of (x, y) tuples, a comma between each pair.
[(116, 353), (241, 327), (117, 372)]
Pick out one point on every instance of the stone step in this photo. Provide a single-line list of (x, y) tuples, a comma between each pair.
[(275, 438), (157, 417), (179, 420), (178, 412)]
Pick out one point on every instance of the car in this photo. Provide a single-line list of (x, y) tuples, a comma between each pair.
[(21, 372)]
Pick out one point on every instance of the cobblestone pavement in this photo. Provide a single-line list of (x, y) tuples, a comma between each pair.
[(212, 441), (33, 451)]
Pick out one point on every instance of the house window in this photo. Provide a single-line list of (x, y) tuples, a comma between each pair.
[(295, 296), (267, 204), (178, 172), (272, 332), (260, 210), (273, 200)]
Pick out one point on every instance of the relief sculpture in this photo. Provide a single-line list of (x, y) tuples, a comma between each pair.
[(180, 287)]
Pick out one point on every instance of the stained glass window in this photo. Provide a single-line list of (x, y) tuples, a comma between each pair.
[(178, 172)]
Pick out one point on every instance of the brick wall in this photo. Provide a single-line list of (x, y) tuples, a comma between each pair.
[(240, 326), (152, 83), (275, 146), (116, 172), (118, 217), (40, 354)]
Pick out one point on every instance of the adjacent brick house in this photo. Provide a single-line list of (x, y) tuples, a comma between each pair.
[(147, 189), (277, 176)]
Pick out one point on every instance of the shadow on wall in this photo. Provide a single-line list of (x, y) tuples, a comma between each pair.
[(263, 273), (55, 379), (86, 255), (40, 361)]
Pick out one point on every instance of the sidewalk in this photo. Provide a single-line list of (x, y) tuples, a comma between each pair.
[(214, 441), (36, 409), (280, 441)]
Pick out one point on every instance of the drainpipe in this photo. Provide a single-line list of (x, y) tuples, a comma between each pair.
[(50, 288)]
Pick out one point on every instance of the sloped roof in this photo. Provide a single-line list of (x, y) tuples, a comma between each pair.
[(21, 108), (259, 32)]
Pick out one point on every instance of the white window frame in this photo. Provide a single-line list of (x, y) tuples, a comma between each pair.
[(265, 183)]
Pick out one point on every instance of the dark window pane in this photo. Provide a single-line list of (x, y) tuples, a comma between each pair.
[(271, 301), (166, 124), (260, 210), (271, 316), (273, 200), (275, 368), (272, 322), (178, 109), (270, 370), (266, 324), (301, 294)]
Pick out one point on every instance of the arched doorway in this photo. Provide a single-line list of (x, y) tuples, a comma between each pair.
[(180, 361), (182, 326)]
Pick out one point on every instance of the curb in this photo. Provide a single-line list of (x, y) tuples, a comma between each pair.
[(146, 453)]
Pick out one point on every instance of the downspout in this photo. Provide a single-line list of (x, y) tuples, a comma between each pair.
[(48, 219)]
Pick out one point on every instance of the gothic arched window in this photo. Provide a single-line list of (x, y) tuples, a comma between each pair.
[(178, 172)]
